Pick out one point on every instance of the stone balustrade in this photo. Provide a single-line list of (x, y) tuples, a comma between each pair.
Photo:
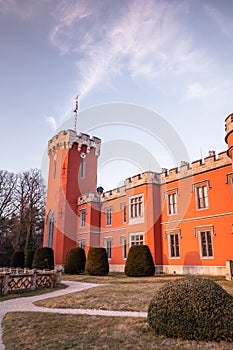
[(13, 280)]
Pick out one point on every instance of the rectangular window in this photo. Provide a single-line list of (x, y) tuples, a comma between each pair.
[(83, 215), (82, 169), (172, 203), (108, 246), (82, 243), (54, 166), (206, 244), (174, 243), (108, 216), (124, 246), (123, 208), (202, 197), (136, 239), (136, 206)]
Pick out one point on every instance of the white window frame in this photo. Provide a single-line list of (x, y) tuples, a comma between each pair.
[(202, 195), (83, 218), (124, 247), (136, 238), (82, 243), (208, 233), (124, 212), (108, 216), (108, 246), (172, 204), (173, 246), (136, 209)]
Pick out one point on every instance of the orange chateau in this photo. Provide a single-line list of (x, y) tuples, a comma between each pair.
[(184, 215)]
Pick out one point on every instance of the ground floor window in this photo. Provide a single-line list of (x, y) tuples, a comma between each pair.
[(82, 243), (137, 239), (108, 246), (124, 247), (174, 243), (206, 244)]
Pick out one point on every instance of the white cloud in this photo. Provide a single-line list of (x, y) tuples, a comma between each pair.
[(196, 91), (52, 122), (141, 39)]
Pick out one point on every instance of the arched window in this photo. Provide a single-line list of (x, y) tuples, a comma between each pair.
[(50, 228)]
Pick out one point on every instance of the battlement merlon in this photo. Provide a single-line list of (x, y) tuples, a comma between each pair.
[(66, 138), (229, 134)]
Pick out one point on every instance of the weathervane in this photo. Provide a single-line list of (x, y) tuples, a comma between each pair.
[(76, 113)]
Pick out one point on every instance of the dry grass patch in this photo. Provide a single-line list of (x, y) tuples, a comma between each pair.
[(127, 297), (39, 331), (118, 293)]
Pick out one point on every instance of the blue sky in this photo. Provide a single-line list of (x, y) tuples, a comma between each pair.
[(173, 57)]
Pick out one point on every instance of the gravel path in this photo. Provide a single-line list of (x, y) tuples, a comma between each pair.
[(26, 304)]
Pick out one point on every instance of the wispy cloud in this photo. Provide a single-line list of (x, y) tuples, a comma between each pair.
[(52, 122), (141, 39), (223, 19), (197, 91)]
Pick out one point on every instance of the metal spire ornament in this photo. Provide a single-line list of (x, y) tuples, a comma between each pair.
[(76, 113)]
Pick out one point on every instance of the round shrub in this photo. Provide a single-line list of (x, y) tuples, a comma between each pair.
[(43, 259), (192, 308), (17, 259), (97, 262), (139, 262), (75, 261)]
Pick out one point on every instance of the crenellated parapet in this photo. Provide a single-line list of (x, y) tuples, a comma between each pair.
[(196, 167), (88, 198), (66, 138), (148, 177)]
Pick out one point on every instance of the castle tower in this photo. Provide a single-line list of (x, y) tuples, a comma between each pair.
[(229, 135), (72, 173)]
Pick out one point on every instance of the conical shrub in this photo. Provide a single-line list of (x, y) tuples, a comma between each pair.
[(139, 262), (75, 261), (97, 262)]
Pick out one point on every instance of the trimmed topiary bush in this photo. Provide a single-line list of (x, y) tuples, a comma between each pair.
[(97, 262), (17, 259), (192, 308), (75, 261), (139, 262), (43, 259)]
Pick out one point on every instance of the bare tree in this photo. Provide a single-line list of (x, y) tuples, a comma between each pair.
[(30, 206), (7, 187), (22, 207)]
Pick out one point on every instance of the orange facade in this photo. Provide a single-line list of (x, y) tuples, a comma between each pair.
[(184, 215)]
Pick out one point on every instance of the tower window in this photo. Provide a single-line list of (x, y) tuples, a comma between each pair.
[(83, 215), (82, 169), (54, 166)]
